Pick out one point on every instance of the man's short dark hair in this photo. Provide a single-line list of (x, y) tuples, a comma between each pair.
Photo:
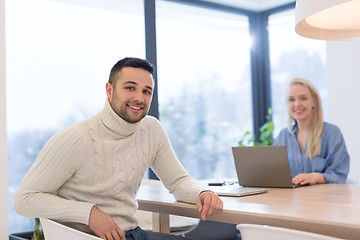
[(130, 62)]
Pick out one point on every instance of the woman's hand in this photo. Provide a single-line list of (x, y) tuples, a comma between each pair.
[(309, 178)]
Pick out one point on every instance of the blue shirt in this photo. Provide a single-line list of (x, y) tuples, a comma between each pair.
[(333, 161)]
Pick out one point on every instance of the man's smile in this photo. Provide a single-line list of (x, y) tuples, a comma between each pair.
[(135, 107)]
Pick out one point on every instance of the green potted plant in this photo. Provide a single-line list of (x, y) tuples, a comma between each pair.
[(37, 234), (266, 134)]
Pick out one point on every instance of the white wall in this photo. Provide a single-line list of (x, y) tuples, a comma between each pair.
[(343, 73), (3, 150)]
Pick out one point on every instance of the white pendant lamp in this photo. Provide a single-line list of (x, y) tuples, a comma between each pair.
[(328, 19)]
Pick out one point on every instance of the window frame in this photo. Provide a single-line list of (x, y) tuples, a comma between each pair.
[(259, 56)]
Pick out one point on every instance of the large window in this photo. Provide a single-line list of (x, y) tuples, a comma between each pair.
[(59, 56), (293, 56), (204, 85)]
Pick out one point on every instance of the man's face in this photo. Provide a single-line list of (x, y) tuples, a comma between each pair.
[(131, 93)]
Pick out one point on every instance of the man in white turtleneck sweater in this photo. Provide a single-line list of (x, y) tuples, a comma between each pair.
[(87, 175)]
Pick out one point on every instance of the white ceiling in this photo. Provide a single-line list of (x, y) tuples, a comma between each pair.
[(253, 5)]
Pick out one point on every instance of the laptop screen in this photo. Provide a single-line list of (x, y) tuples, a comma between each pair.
[(262, 166)]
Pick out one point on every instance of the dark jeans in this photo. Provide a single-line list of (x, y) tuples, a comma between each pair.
[(139, 234)]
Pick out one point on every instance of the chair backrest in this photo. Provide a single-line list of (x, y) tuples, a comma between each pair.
[(254, 232), (56, 231)]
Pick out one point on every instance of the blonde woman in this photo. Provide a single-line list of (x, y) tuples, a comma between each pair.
[(316, 149)]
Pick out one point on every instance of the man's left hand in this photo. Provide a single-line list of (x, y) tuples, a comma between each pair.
[(209, 203)]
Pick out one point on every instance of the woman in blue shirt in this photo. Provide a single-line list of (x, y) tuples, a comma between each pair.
[(316, 149)]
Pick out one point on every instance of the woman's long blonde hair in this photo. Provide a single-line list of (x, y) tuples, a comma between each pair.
[(315, 130)]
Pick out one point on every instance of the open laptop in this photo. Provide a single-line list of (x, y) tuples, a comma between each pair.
[(236, 190), (263, 166)]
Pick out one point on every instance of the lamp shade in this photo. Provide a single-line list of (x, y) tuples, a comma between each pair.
[(328, 19)]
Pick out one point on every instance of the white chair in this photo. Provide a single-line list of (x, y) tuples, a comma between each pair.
[(56, 231), (178, 225), (254, 232)]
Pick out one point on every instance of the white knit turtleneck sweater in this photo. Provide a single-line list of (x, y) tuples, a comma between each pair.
[(101, 161)]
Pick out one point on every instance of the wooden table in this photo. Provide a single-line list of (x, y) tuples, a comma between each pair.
[(329, 209)]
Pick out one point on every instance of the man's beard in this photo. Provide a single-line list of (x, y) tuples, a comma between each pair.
[(123, 113)]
